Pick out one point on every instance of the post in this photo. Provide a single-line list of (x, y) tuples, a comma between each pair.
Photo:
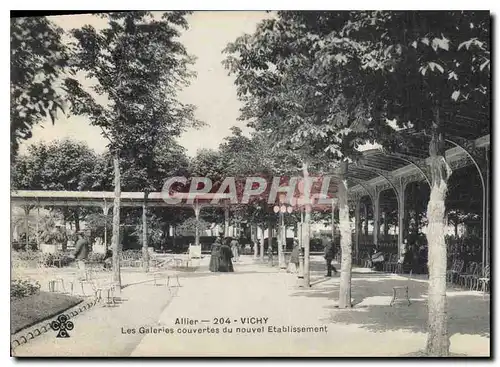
[(26, 225), (386, 226), (37, 227), (197, 208), (262, 244), (401, 218), (105, 210), (115, 239), (255, 240), (307, 224), (376, 217), (333, 222), (282, 242), (366, 222), (486, 233), (357, 226), (270, 239), (145, 254), (226, 221)]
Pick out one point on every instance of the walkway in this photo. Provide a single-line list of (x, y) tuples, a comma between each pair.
[(372, 328)]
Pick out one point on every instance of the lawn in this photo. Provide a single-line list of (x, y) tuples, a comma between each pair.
[(27, 311)]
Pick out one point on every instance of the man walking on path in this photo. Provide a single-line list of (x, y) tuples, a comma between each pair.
[(329, 256), (82, 249)]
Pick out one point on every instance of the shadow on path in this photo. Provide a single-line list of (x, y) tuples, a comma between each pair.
[(468, 312)]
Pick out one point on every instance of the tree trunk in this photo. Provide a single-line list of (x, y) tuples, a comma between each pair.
[(270, 241), (115, 239), (438, 343), (37, 229), (456, 228), (145, 253), (282, 242), (262, 245), (197, 225), (306, 225), (77, 220), (174, 235), (255, 240), (345, 243), (26, 226)]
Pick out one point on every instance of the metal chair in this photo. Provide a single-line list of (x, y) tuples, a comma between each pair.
[(165, 270), (484, 281), (456, 270), (470, 270)]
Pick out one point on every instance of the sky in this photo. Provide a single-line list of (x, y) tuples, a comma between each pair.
[(213, 92)]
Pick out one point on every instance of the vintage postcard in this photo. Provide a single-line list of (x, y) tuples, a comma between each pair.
[(250, 184)]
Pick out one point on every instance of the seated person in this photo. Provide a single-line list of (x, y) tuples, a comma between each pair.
[(407, 263), (377, 260), (108, 258)]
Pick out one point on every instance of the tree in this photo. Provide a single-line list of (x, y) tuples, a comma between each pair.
[(333, 79), (65, 165), (38, 59), (420, 69), (280, 97), (137, 66), (435, 64)]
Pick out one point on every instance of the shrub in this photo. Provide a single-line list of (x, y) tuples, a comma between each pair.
[(25, 255), (22, 288), (95, 257)]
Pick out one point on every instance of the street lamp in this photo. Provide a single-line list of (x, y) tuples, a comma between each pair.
[(281, 210)]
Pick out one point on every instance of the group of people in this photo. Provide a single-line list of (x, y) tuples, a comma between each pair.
[(329, 255), (223, 251), (414, 258)]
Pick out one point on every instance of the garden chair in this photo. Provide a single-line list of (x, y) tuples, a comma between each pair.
[(55, 282), (456, 269), (367, 260), (484, 281), (136, 258), (103, 285), (153, 258), (404, 288), (393, 264), (472, 279), (387, 262), (464, 278), (165, 270)]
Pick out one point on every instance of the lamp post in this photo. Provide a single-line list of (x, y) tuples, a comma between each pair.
[(281, 210)]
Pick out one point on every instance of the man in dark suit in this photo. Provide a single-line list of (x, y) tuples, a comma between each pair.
[(82, 250), (329, 256)]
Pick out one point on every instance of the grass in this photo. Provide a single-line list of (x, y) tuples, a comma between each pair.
[(28, 311)]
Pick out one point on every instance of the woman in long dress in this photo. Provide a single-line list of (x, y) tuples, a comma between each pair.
[(235, 249), (226, 265), (293, 265), (215, 256)]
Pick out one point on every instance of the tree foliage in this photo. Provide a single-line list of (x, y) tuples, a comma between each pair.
[(38, 59), (64, 165), (137, 66)]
